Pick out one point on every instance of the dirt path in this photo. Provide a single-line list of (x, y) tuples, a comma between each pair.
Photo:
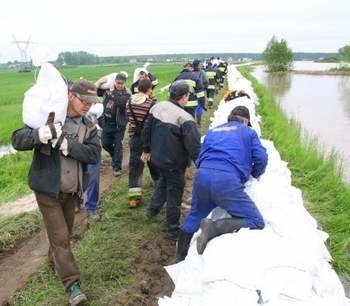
[(19, 264), (150, 280)]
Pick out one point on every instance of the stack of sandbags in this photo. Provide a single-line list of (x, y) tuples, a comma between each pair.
[(284, 264)]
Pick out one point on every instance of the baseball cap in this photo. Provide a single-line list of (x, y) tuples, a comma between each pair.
[(86, 90), (178, 89), (241, 111)]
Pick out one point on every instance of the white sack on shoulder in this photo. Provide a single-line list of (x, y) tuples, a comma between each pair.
[(49, 94)]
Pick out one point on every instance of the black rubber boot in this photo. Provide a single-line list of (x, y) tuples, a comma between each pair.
[(183, 245), (211, 229)]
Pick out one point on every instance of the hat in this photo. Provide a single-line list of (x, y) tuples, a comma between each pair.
[(196, 62), (86, 90), (241, 111), (120, 78), (178, 89)]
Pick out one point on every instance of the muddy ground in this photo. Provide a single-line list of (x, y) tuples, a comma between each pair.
[(150, 278)]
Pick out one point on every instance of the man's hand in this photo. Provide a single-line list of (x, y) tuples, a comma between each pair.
[(146, 157), (100, 82), (48, 132)]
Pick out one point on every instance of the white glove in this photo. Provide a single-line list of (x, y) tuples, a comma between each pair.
[(64, 147), (45, 132)]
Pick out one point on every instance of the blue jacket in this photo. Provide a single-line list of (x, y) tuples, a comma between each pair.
[(235, 148)]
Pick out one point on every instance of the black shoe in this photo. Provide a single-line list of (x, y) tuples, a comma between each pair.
[(172, 235), (152, 213), (183, 244)]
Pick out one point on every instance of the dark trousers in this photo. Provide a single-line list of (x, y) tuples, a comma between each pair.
[(169, 189), (136, 165), (210, 95), (112, 142), (58, 215)]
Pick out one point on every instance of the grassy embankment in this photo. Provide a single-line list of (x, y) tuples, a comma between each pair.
[(14, 167), (326, 196), (343, 68), (108, 253)]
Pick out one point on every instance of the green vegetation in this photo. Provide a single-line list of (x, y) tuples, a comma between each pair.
[(345, 53), (109, 252), (342, 68), (14, 167), (277, 55), (18, 228), (325, 194), (13, 175)]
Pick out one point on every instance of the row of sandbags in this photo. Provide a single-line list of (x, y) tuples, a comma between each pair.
[(284, 264)]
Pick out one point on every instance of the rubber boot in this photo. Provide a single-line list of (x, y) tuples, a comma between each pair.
[(183, 244), (211, 229)]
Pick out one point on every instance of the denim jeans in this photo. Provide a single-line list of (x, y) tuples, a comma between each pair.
[(169, 189), (93, 187), (112, 142)]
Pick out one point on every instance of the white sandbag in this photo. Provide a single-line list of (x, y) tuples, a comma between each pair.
[(41, 55), (109, 79), (49, 94), (138, 70), (96, 110)]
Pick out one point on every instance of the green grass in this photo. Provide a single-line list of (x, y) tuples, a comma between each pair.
[(326, 195), (343, 68), (14, 168), (106, 256), (18, 228), (13, 176)]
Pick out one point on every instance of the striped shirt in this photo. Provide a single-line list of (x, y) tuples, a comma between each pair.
[(140, 105)]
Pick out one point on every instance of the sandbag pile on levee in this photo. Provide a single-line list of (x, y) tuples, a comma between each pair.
[(286, 263)]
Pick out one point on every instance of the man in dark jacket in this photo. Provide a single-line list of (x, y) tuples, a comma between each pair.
[(170, 140), (143, 74), (229, 155), (57, 176), (196, 101), (114, 120)]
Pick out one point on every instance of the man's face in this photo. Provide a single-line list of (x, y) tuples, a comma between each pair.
[(77, 106), (184, 99), (119, 85), (142, 76)]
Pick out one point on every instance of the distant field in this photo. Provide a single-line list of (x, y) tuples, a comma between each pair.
[(14, 84), (14, 168)]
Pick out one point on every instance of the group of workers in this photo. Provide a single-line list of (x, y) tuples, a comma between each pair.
[(162, 135)]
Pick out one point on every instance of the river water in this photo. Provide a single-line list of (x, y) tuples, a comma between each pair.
[(320, 103)]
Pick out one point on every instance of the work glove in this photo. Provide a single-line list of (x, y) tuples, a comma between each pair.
[(48, 132), (64, 146)]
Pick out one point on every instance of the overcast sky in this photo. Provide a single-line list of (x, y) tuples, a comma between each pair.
[(180, 26)]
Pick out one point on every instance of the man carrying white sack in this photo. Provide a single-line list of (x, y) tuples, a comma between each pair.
[(229, 155), (57, 176)]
